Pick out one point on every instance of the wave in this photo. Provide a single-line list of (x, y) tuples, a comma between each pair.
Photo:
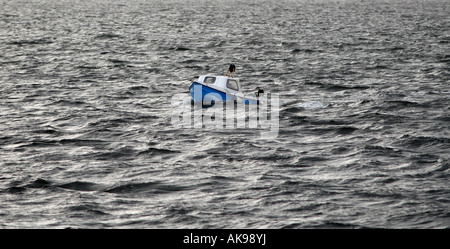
[(377, 150), (152, 187), (87, 208), (83, 186), (346, 130), (80, 186), (40, 143), (65, 102), (106, 36), (411, 141), (38, 183), (157, 151), (39, 41)]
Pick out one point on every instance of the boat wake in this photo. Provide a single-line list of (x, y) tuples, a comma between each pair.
[(313, 105)]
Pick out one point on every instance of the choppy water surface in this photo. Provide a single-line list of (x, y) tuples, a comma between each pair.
[(86, 138)]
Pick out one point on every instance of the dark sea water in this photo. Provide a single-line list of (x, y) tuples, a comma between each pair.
[(86, 139)]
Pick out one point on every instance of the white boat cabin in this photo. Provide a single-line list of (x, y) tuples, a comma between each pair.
[(224, 82)]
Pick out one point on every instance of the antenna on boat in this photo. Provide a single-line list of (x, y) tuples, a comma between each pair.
[(231, 70)]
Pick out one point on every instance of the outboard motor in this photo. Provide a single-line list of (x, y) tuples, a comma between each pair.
[(259, 93)]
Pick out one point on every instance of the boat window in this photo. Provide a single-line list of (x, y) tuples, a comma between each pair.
[(232, 84), (210, 80)]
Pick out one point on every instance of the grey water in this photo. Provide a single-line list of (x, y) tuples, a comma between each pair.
[(86, 139)]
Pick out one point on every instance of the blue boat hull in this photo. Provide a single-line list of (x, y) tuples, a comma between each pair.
[(208, 96)]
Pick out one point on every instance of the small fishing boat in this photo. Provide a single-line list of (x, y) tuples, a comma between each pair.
[(211, 89)]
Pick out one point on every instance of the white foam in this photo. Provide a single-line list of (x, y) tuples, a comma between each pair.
[(313, 105)]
